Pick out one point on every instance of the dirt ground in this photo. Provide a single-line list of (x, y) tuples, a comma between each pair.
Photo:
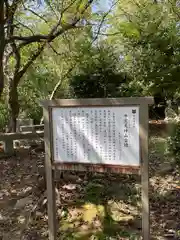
[(89, 206)]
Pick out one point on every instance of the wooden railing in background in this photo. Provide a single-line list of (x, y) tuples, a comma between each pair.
[(26, 132), (37, 132)]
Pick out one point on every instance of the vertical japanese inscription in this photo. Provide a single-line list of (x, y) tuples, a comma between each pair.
[(126, 131)]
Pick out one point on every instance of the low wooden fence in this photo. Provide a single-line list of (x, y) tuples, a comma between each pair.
[(26, 132), (32, 128)]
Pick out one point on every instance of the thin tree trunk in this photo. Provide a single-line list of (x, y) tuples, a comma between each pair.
[(2, 45), (13, 102), (58, 84), (13, 107)]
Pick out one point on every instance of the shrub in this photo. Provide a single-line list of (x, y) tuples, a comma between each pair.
[(174, 141), (3, 116)]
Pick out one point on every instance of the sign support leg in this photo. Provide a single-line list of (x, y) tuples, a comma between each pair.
[(51, 202), (145, 173), (50, 184)]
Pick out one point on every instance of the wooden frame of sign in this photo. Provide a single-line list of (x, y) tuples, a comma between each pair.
[(52, 163)]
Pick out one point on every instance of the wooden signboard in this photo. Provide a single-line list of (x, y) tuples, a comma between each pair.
[(100, 135)]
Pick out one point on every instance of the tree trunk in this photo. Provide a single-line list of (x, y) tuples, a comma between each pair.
[(57, 86), (13, 102), (2, 45), (13, 107)]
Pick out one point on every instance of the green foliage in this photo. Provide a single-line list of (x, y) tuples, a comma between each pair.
[(40, 35), (95, 85), (147, 35), (174, 141), (37, 86), (99, 75), (139, 56), (3, 116)]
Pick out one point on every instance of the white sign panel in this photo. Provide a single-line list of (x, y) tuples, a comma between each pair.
[(96, 135)]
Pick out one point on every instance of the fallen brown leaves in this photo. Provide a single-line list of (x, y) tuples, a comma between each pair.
[(90, 206)]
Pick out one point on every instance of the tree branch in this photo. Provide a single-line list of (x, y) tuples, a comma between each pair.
[(49, 38), (52, 9), (54, 50), (53, 33), (25, 26), (2, 46), (175, 9), (58, 84), (31, 60), (10, 18), (66, 8), (17, 57), (7, 8), (36, 14), (107, 34), (30, 39), (10, 32), (103, 19)]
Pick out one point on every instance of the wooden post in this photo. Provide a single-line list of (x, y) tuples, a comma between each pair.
[(49, 179), (9, 146), (144, 171), (22, 122)]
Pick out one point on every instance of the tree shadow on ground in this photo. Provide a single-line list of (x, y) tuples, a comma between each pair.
[(161, 161), (21, 188), (107, 204), (165, 212), (107, 208), (164, 194), (92, 206)]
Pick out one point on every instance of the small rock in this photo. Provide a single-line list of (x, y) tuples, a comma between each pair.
[(39, 214), (171, 234), (136, 223), (70, 186), (57, 175), (70, 177), (165, 168), (22, 202)]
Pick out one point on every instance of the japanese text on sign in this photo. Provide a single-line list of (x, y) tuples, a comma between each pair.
[(96, 135)]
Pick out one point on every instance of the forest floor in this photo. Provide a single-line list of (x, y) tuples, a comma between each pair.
[(90, 206)]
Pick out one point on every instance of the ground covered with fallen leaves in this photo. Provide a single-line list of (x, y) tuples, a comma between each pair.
[(89, 206)]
